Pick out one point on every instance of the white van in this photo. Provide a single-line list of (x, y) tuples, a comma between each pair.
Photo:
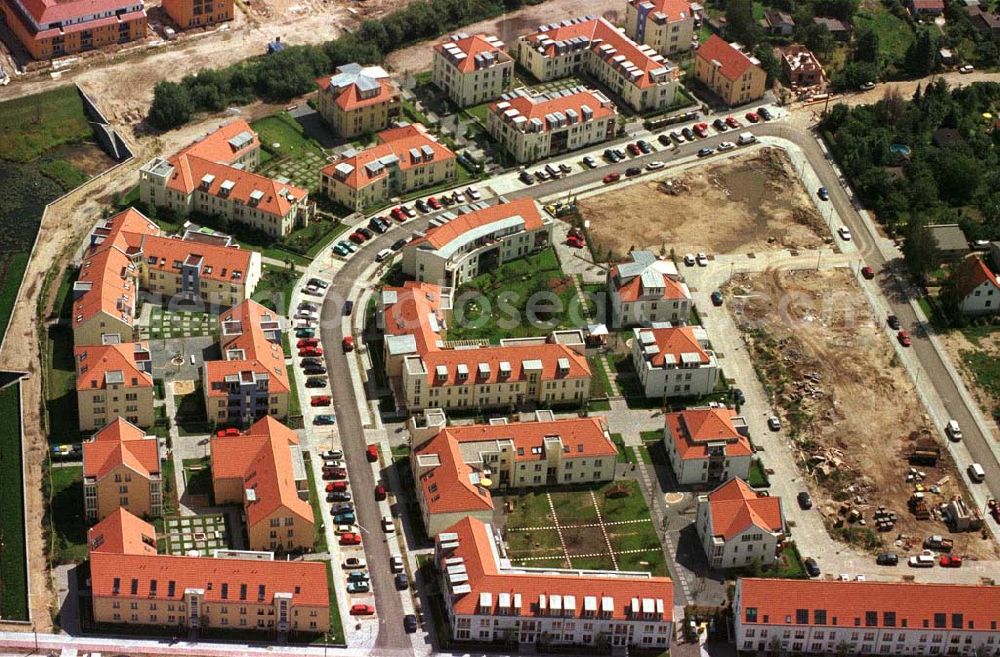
[(976, 473), (953, 430), (383, 254), (746, 138)]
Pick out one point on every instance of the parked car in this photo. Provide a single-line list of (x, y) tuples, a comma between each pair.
[(611, 177), (362, 610), (402, 582), (310, 370), (751, 117), (348, 343), (590, 161), (410, 623), (716, 298), (358, 587), (922, 560), (350, 539), (371, 453), (339, 496), (701, 129), (422, 206), (705, 152), (541, 175), (688, 134), (950, 561), (689, 259), (341, 529), (654, 165), (632, 171), (739, 396), (410, 212), (634, 149), (325, 420), (823, 194), (644, 146), (345, 518), (380, 493), (398, 214), (377, 225), (356, 237), (805, 501), (434, 203), (336, 486), (320, 400), (334, 473), (526, 178), (398, 244), (306, 342), (764, 113), (565, 168), (893, 322), (311, 351), (352, 563), (867, 86), (664, 139), (316, 382), (845, 233), (367, 233), (305, 333), (359, 576), (396, 564), (340, 249), (720, 125), (887, 559), (968, 68), (388, 526), (812, 568), (702, 260), (774, 423), (726, 146), (868, 272), (732, 122), (904, 338)]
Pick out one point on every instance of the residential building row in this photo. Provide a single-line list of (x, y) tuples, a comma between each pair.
[(131, 583), (189, 14), (734, 75), (456, 467), (426, 371), (472, 69), (214, 177), (358, 99), (674, 361), (488, 599), (455, 248), (405, 158), (865, 617)]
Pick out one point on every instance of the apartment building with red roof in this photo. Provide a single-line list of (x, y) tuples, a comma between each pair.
[(189, 14), (426, 371), (739, 526), (646, 289), (406, 158), (472, 69), (644, 79), (727, 70), (456, 466), (263, 471), (674, 361), (976, 287), (114, 380), (358, 99), (121, 469), (534, 126), (453, 251), (826, 616), (708, 445), (131, 584), (488, 599), (54, 28), (666, 26), (214, 176), (251, 381)]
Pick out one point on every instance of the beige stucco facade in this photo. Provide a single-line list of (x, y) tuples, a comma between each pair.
[(282, 530), (663, 34), (94, 328), (748, 87), (529, 146), (402, 181), (97, 407), (475, 86), (211, 291), (122, 487)]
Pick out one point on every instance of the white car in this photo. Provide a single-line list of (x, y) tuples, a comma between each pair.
[(968, 68), (396, 564), (867, 86), (727, 146), (353, 563), (689, 259), (388, 526), (654, 165), (343, 529), (306, 314), (774, 423), (844, 233), (702, 260)]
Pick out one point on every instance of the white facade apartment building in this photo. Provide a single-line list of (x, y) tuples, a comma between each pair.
[(674, 361), (641, 77), (977, 287), (472, 69), (738, 526), (708, 445), (487, 599), (534, 127), (456, 248), (866, 618), (647, 289), (667, 26)]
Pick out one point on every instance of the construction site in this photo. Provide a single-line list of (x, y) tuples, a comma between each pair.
[(755, 203), (875, 465)]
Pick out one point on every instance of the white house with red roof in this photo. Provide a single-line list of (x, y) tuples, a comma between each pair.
[(738, 526), (977, 287), (826, 616), (358, 99), (667, 26), (726, 68), (674, 361), (488, 599), (457, 466), (454, 250), (647, 289), (643, 78), (707, 445), (534, 126), (121, 469), (406, 157), (472, 69)]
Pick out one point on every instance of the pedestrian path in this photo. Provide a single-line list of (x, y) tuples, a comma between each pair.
[(614, 392), (604, 531), (555, 519), (582, 526)]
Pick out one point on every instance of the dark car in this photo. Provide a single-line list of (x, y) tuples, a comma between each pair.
[(804, 500), (739, 396), (348, 307), (314, 370), (526, 178), (398, 244), (367, 233), (887, 559), (402, 581), (316, 382), (823, 194), (410, 623), (342, 508), (664, 139), (422, 206), (763, 113), (633, 171), (893, 322), (716, 298), (308, 362), (338, 496), (812, 568), (720, 125), (324, 420), (334, 473), (644, 146), (377, 225), (705, 152)]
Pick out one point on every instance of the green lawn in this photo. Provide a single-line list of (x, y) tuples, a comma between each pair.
[(275, 287), (31, 125), (198, 476), (488, 306), (63, 305), (13, 559), (316, 501), (336, 634), (788, 566), (11, 272), (294, 406), (619, 442), (292, 153), (312, 239), (64, 173), (757, 477), (68, 537), (63, 421), (895, 34)]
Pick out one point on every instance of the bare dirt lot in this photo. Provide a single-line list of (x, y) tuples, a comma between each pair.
[(850, 408), (748, 203), (975, 351)]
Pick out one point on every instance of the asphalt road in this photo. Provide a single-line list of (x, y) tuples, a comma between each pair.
[(389, 608)]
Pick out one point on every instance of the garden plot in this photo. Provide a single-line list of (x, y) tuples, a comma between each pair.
[(201, 533)]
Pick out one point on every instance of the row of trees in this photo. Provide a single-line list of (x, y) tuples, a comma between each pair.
[(958, 182), (293, 71)]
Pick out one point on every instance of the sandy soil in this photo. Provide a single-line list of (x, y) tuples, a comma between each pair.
[(753, 203), (850, 406), (419, 57), (958, 346)]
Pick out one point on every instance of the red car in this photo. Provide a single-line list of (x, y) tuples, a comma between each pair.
[(732, 122), (868, 272), (357, 238), (321, 400), (611, 177), (380, 492), (634, 149), (701, 129), (310, 351), (307, 342), (372, 453), (434, 203), (399, 215), (904, 338), (348, 343), (752, 117), (362, 610), (949, 561), (334, 473), (231, 431), (336, 487), (350, 539), (574, 241)]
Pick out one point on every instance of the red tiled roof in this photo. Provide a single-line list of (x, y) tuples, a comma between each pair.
[(674, 10), (692, 430), (121, 443), (448, 487), (122, 533), (848, 602), (262, 460), (675, 341), (56, 11), (631, 288), (472, 46), (218, 263), (440, 236), (548, 354), (415, 301), (475, 547), (95, 361), (733, 63), (395, 142), (735, 507), (260, 354), (538, 107), (973, 273)]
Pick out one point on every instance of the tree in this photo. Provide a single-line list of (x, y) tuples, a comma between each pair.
[(171, 106), (920, 250), (768, 62), (740, 25), (817, 38), (867, 46), (921, 56), (957, 175)]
